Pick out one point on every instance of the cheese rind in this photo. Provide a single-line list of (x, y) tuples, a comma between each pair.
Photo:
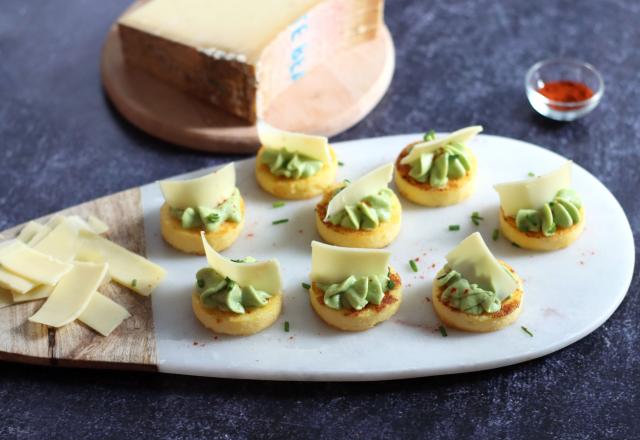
[(461, 136), (31, 264), (535, 192), (315, 147), (71, 295), (334, 264), (103, 314), (124, 265), (208, 191), (475, 262), (366, 185), (262, 275)]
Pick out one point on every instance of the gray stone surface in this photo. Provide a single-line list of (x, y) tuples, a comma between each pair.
[(459, 62)]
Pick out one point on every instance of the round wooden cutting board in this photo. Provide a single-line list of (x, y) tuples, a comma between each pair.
[(328, 100)]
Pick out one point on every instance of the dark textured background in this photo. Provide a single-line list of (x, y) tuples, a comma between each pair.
[(458, 63)]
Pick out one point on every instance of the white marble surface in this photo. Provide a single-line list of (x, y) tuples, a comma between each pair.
[(568, 293)]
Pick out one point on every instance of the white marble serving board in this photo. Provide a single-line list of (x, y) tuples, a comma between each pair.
[(568, 293)]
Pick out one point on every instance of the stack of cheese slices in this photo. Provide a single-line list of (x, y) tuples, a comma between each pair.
[(66, 261)]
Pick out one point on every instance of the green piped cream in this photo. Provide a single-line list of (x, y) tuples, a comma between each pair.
[(452, 161), (210, 218), (356, 292), (464, 296), (562, 212), (222, 293), (282, 162)]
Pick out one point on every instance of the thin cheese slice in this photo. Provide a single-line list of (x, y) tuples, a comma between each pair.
[(461, 136), (98, 226), (368, 184), (103, 314), (125, 267), (71, 296), (61, 242), (29, 231), (209, 190), (262, 275), (13, 282), (475, 262), (334, 264), (316, 147), (6, 298), (31, 264), (43, 232), (39, 292), (535, 192)]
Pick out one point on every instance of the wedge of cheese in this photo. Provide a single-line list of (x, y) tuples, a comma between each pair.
[(209, 190), (262, 275), (535, 192), (461, 136), (125, 267), (241, 54), (368, 184), (315, 147), (71, 295), (475, 262), (334, 264)]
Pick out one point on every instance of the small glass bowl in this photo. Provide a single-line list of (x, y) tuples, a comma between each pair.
[(562, 69)]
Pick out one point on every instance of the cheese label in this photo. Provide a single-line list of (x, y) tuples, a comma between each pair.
[(353, 193), (71, 295), (535, 192), (315, 147), (262, 275), (31, 264), (475, 262), (125, 267), (209, 191), (334, 264), (103, 314), (461, 136)]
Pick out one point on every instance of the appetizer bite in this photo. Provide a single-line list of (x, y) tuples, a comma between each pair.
[(353, 289), (474, 291), (211, 203), (294, 165), (438, 172), (237, 297), (541, 213), (364, 214)]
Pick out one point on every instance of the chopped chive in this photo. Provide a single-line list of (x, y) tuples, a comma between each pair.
[(340, 163), (286, 326), (527, 331), (213, 217), (429, 135), (306, 286), (414, 266), (496, 234), (391, 285), (200, 283), (454, 227), (530, 174), (134, 282), (443, 331), (476, 217), (278, 222), (278, 204), (347, 181)]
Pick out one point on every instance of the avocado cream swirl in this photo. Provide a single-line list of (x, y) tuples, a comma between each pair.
[(452, 161), (222, 293), (356, 292), (367, 214), (464, 296), (562, 212), (210, 218), (289, 164)]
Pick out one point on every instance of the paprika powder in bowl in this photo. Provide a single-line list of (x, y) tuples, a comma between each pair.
[(563, 89)]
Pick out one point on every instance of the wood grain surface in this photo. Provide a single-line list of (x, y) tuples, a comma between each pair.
[(328, 100), (131, 346)]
